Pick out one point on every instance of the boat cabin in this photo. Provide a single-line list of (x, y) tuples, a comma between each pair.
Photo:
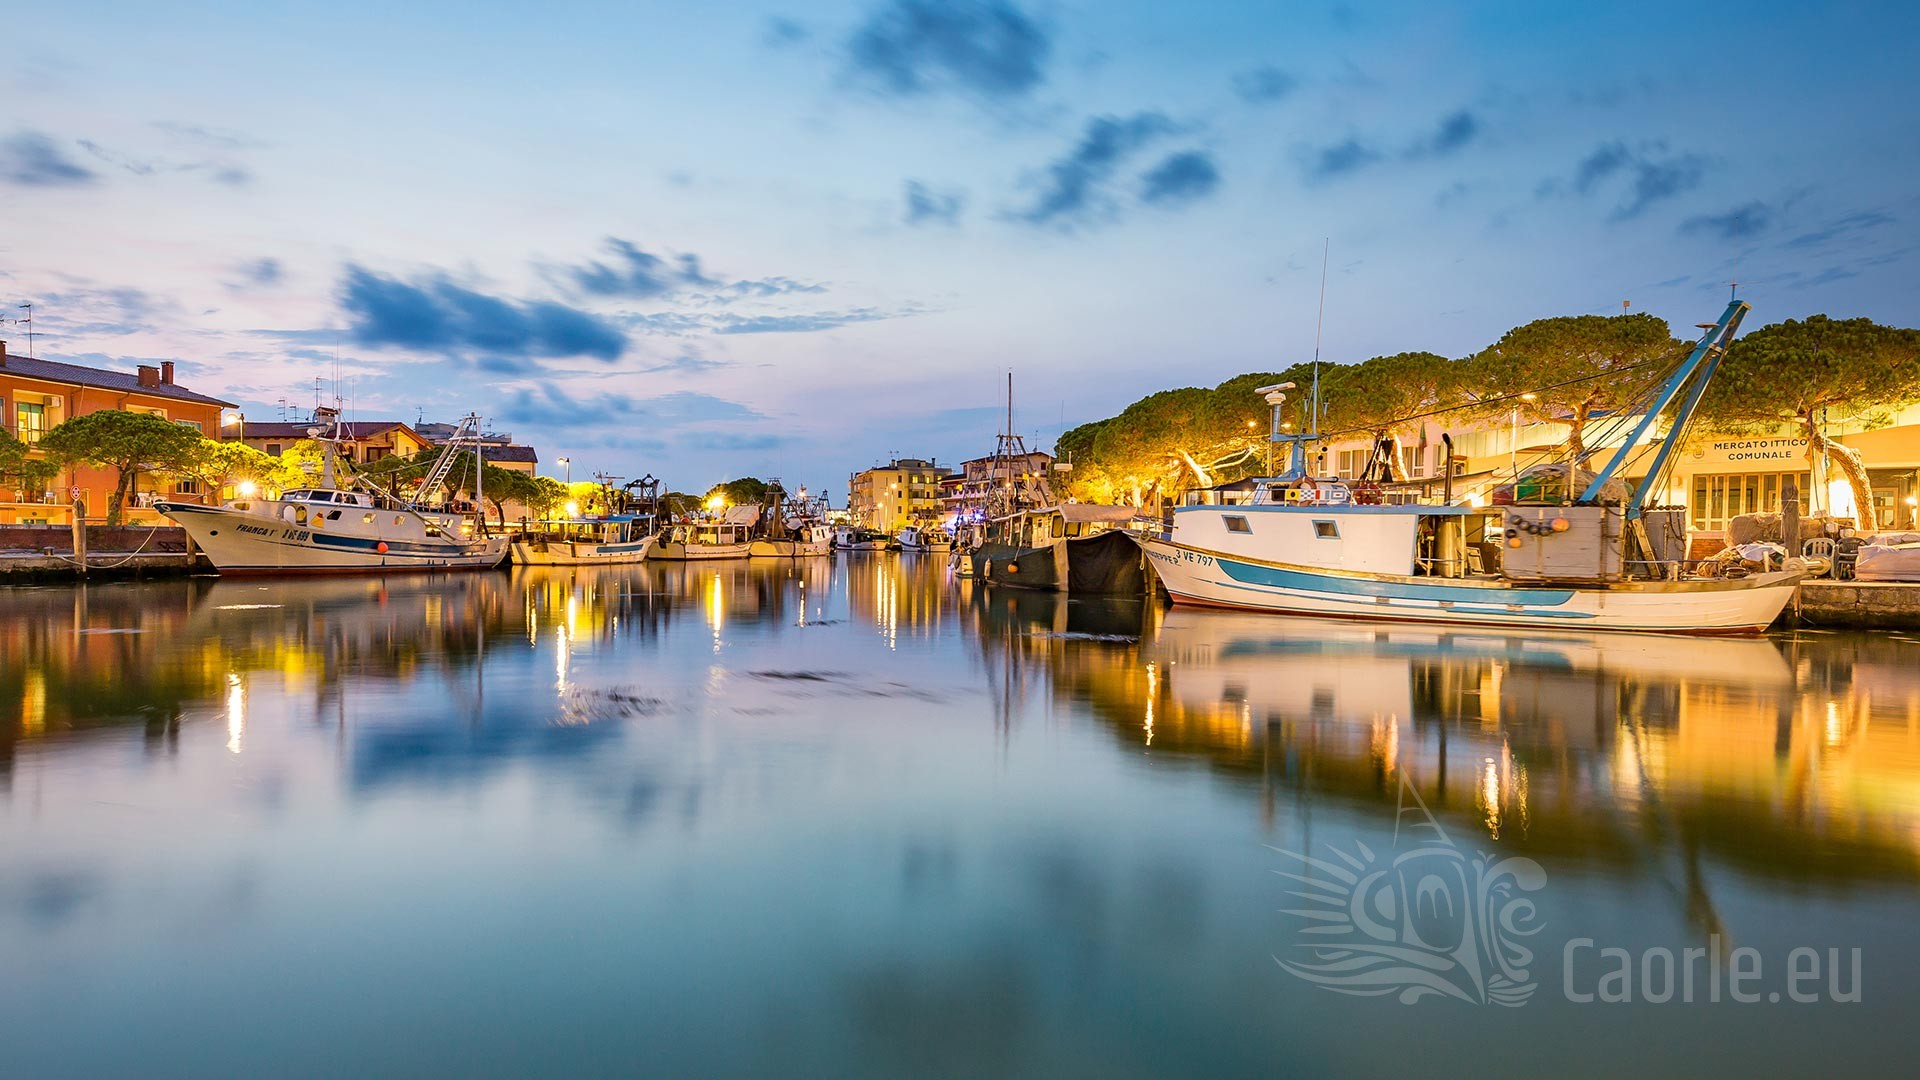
[(711, 533), (327, 495), (1067, 521)]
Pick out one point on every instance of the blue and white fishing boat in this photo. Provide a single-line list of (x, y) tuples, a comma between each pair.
[(1302, 545)]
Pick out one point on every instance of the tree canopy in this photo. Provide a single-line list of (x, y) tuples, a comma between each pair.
[(1575, 366), (20, 470), (129, 443), (1795, 371), (746, 491)]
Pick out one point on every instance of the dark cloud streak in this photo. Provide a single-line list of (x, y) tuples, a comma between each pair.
[(988, 48)]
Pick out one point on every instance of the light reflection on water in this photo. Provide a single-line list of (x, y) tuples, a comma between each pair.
[(845, 817)]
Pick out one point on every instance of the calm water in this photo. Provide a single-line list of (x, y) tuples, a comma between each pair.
[(846, 818)]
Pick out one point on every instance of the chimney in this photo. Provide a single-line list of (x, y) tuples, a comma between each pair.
[(3, 354), (166, 372), (149, 375)]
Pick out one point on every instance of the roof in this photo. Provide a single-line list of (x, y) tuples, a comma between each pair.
[(513, 452), (1080, 513), (352, 429), (125, 381)]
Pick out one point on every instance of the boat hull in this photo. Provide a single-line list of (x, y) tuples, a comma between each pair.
[(789, 549), (1022, 568), (675, 551), (238, 542), (1198, 577), (570, 553)]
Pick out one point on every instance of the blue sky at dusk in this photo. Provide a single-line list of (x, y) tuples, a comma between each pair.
[(715, 240)]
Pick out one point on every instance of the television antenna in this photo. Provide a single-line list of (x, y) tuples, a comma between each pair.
[(28, 323)]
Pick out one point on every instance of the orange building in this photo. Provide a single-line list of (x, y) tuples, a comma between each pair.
[(35, 395)]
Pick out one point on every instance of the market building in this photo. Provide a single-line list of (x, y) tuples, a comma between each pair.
[(36, 395)]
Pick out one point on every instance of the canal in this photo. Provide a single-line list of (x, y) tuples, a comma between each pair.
[(848, 818)]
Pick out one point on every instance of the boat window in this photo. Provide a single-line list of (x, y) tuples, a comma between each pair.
[(1237, 523), (1326, 530), (335, 516)]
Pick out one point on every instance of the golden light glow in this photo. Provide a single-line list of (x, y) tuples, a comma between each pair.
[(245, 489), (716, 502), (236, 711), (572, 508)]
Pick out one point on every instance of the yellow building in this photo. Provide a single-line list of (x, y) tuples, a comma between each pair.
[(890, 496)]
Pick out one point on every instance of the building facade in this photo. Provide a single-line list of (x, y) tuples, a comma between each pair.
[(366, 441), (891, 496), (967, 500), (36, 395), (1715, 476)]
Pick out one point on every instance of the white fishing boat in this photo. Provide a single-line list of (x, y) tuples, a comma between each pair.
[(853, 538), (728, 537), (802, 542), (329, 528), (600, 541), (1302, 545), (927, 538)]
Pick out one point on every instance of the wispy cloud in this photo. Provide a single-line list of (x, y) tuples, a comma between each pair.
[(927, 206), (31, 159), (986, 48), (550, 405), (437, 315), (1743, 222), (1339, 159), (1847, 226), (799, 323), (781, 31), (1651, 172), (1071, 189), (1180, 178), (1263, 85)]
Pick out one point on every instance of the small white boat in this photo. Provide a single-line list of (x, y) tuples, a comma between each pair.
[(851, 538), (700, 540), (621, 538), (332, 529), (924, 538), (1301, 545), (806, 542)]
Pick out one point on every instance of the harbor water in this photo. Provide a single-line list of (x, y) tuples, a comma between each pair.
[(846, 817)]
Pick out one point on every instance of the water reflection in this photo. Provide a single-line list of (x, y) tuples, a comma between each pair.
[(639, 804)]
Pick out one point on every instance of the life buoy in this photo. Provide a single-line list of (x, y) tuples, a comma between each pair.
[(1308, 490)]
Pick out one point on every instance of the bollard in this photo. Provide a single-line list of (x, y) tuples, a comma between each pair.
[(80, 538)]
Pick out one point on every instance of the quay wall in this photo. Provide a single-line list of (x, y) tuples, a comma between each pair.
[(1859, 605)]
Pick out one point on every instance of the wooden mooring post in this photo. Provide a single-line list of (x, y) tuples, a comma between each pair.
[(79, 538)]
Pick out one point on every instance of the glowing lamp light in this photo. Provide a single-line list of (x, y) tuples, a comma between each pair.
[(1476, 501), (572, 508), (245, 489), (716, 503)]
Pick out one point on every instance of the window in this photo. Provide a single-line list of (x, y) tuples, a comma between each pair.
[(186, 487), (29, 421), (1350, 463), (194, 424), (1721, 498), (1326, 530), (273, 448), (1236, 523)]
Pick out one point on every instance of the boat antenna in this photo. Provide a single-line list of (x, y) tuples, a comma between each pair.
[(1319, 322)]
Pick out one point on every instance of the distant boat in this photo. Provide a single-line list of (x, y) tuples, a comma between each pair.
[(924, 538), (803, 542), (327, 528), (619, 538), (728, 538), (851, 538)]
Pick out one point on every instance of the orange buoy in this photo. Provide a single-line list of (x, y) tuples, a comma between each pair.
[(381, 547)]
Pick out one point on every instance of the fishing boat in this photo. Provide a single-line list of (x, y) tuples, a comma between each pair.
[(853, 538), (1304, 545), (1071, 547), (336, 527), (795, 528), (927, 538), (596, 541), (727, 537)]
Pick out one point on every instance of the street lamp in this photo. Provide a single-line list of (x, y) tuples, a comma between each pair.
[(236, 420), (567, 464)]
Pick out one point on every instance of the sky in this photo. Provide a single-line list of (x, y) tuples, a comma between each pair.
[(785, 239)]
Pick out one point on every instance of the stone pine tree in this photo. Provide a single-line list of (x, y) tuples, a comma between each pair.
[(127, 443), (1576, 367), (1380, 398), (1806, 372)]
